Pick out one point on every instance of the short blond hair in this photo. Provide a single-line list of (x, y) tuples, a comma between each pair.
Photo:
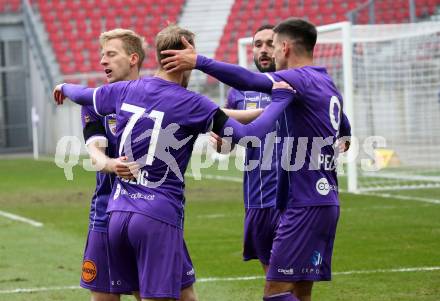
[(170, 38), (131, 41)]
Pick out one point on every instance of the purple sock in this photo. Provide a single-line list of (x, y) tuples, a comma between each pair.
[(281, 297)]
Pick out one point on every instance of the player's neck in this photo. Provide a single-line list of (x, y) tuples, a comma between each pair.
[(175, 77), (133, 75), (299, 62)]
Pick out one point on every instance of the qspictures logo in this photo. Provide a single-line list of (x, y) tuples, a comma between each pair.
[(89, 271)]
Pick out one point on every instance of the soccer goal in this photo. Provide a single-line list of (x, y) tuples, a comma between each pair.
[(389, 76)]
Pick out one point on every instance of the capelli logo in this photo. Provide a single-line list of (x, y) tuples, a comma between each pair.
[(286, 271)]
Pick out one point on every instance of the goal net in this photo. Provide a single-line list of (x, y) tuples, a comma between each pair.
[(389, 76)]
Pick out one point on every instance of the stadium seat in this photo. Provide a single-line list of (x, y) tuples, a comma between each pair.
[(258, 12)]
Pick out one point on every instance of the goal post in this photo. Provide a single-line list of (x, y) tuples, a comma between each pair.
[(389, 77)]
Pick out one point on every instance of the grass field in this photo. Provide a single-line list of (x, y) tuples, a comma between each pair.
[(386, 249)]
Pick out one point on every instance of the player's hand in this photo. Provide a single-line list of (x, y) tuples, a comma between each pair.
[(180, 60), (281, 85), (58, 95), (216, 142), (124, 169), (343, 145)]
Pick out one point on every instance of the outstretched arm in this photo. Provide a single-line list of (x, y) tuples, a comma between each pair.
[(232, 75), (282, 95), (243, 116), (235, 76), (79, 94)]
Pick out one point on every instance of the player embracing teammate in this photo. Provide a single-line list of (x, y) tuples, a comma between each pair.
[(307, 189), (158, 121)]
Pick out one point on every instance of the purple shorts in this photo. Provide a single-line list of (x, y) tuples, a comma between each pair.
[(148, 256), (188, 273), (95, 271), (260, 227), (303, 246)]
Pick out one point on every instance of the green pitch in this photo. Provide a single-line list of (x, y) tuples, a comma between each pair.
[(377, 239)]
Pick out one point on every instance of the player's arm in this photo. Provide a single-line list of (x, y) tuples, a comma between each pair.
[(344, 133), (232, 75), (103, 99), (282, 95), (243, 116), (77, 93), (96, 143), (118, 166)]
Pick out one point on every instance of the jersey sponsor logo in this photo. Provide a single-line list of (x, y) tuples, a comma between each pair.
[(310, 271), (251, 105), (265, 98), (286, 271), (255, 100), (89, 271), (323, 187)]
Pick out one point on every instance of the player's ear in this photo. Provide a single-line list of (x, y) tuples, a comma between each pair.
[(286, 48), (134, 59)]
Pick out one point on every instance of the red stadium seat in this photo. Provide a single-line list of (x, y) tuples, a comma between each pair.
[(68, 29)]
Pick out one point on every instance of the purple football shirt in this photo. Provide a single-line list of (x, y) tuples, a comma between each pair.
[(259, 183), (104, 181), (157, 124), (311, 126)]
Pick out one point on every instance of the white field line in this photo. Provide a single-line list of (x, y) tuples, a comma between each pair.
[(403, 197), (382, 195), (19, 218), (229, 279)]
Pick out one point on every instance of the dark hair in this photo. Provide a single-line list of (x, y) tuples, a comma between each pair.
[(302, 32), (263, 27)]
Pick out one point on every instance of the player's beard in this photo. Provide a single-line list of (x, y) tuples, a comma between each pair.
[(270, 68)]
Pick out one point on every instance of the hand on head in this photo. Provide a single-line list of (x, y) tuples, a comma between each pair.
[(180, 60)]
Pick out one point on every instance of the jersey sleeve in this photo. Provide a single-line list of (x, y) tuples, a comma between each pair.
[(93, 129), (345, 127), (106, 98), (262, 125), (293, 77), (231, 99), (200, 113), (235, 76)]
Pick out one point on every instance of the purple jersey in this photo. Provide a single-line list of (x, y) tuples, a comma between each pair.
[(104, 181), (260, 183), (311, 127), (312, 122), (157, 124)]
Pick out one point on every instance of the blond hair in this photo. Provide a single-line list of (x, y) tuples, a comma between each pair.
[(131, 41), (170, 38)]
